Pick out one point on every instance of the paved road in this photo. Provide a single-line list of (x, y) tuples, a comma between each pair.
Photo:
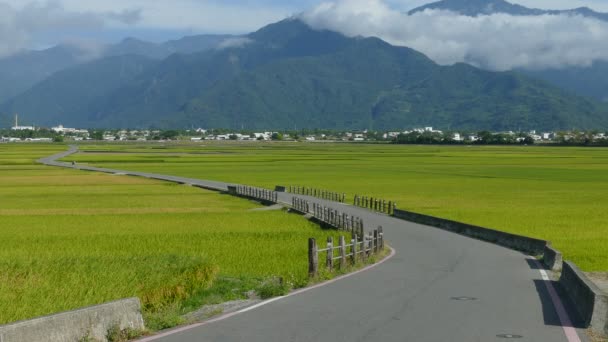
[(410, 297)]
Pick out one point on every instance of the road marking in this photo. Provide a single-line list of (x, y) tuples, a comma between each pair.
[(226, 316), (564, 319)]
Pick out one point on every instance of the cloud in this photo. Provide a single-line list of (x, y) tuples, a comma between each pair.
[(496, 42), (18, 25), (236, 42)]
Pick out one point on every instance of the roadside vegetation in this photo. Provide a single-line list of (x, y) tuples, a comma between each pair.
[(72, 239), (553, 193)]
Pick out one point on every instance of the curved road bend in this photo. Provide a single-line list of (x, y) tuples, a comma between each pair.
[(410, 297)]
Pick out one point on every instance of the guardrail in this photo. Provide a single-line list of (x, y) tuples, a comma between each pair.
[(318, 193), (375, 204), (359, 248)]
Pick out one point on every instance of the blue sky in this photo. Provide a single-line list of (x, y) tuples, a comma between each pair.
[(26, 24)]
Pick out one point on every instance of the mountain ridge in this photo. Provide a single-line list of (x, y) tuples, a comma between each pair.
[(288, 75), (485, 7)]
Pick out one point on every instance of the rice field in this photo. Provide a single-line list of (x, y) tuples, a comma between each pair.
[(554, 193), (73, 238)]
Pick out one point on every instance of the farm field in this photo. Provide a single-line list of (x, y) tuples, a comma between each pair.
[(553, 193), (72, 239)]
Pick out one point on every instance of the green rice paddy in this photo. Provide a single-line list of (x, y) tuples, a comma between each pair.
[(554, 193), (74, 238)]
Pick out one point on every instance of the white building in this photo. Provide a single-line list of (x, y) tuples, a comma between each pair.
[(21, 128), (61, 129)]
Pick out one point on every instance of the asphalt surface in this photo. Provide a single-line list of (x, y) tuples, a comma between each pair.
[(414, 296)]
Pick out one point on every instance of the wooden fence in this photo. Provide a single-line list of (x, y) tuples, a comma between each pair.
[(360, 248), (375, 204), (332, 217), (322, 194), (255, 193)]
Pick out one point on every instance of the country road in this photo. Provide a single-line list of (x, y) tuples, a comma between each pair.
[(438, 287)]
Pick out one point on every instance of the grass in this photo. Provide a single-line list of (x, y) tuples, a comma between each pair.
[(558, 194), (73, 238)]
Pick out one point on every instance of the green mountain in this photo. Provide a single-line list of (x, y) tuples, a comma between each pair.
[(66, 96), (591, 81), (485, 7), (21, 71), (288, 75)]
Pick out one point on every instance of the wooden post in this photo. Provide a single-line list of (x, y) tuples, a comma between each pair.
[(371, 243), (313, 258), (375, 241), (361, 229), (330, 253), (381, 237), (342, 253), (353, 249), (364, 248)]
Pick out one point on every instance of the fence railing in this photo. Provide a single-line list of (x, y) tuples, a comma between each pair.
[(332, 217), (322, 194), (375, 204), (255, 193), (360, 248)]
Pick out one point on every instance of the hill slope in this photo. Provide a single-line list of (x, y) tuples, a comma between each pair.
[(66, 96)]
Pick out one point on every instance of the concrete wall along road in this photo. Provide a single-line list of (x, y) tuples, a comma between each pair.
[(72, 326), (518, 242), (590, 302)]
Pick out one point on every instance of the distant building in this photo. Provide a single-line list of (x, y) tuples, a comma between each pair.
[(21, 128), (61, 129)]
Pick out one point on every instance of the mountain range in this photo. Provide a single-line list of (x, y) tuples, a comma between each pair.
[(486, 7), (288, 75), (20, 72)]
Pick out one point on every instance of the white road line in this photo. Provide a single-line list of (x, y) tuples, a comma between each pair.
[(226, 316), (564, 319)]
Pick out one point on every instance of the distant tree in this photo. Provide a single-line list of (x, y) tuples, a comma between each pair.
[(97, 135), (233, 137), (58, 139), (276, 136), (528, 140), (169, 135)]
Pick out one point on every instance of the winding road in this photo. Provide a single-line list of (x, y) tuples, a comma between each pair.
[(438, 287)]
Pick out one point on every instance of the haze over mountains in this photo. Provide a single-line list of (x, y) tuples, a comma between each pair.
[(289, 75)]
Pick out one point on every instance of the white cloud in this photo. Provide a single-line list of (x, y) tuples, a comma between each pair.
[(196, 15), (19, 23), (234, 43), (496, 42)]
